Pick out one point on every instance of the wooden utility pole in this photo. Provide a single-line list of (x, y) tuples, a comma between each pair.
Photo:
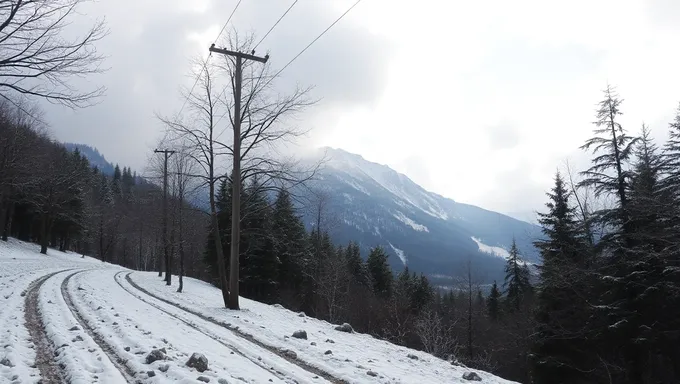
[(166, 252), (236, 171)]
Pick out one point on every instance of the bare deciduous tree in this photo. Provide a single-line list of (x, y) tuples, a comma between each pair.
[(436, 337), (183, 167), (37, 59), (266, 119)]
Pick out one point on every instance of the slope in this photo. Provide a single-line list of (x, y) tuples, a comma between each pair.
[(103, 323)]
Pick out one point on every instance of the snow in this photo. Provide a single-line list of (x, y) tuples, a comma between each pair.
[(399, 185), (416, 227), (491, 250), (400, 253), (101, 327), (356, 186)]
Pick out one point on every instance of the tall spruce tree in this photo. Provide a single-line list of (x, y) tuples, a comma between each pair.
[(223, 205), (289, 235), (561, 340), (671, 158), (493, 302), (609, 174), (258, 264), (355, 264), (380, 271), (517, 279)]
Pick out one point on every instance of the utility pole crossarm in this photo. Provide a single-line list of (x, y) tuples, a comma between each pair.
[(238, 54)]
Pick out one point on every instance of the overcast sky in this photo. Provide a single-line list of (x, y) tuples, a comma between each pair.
[(480, 101)]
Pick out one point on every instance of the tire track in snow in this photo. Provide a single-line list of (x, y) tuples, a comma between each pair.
[(210, 335), (50, 371), (307, 367), (119, 362)]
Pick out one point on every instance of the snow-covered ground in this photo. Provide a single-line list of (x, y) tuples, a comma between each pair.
[(85, 321)]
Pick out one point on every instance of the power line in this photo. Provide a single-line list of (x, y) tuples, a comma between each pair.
[(229, 19), (210, 53), (301, 52), (260, 42), (275, 24), (314, 41)]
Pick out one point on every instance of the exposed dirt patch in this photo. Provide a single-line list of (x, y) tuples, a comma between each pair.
[(50, 371)]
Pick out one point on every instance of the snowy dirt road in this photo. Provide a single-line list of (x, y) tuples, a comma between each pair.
[(71, 319)]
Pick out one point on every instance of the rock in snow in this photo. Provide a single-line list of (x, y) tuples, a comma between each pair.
[(412, 356), (198, 361), (203, 379), (472, 376), (300, 334), (328, 352), (164, 368), (371, 373), (155, 355), (6, 362), (344, 328)]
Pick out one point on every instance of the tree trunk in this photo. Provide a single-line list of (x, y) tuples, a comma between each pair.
[(8, 223), (43, 234), (3, 220), (220, 255), (139, 260), (180, 237)]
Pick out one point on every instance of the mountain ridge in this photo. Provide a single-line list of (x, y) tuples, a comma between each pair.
[(423, 230)]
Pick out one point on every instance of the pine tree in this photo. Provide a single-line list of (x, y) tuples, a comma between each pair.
[(422, 293), (493, 302), (116, 188), (380, 271), (647, 202), (355, 264), (258, 264), (561, 337), (517, 284), (288, 233), (609, 174), (671, 158), (223, 203)]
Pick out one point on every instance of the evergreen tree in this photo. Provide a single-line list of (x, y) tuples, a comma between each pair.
[(561, 338), (671, 158), (288, 233), (380, 271), (517, 284), (116, 188), (422, 293), (608, 173), (258, 264), (355, 264), (493, 302), (223, 203)]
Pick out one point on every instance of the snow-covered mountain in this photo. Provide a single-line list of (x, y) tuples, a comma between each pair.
[(375, 205)]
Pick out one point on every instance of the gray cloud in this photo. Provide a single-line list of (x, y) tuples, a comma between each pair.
[(149, 54)]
